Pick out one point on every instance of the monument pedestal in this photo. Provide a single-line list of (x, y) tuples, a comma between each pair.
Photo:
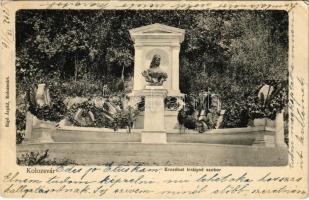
[(154, 122), (156, 46)]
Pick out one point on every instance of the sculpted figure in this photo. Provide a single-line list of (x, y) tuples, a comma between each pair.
[(42, 95), (155, 75)]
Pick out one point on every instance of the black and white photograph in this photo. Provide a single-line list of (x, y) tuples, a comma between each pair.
[(154, 99), (152, 87)]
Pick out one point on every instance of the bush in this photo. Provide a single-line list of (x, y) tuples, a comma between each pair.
[(20, 135), (84, 88), (87, 107), (38, 158), (59, 90), (121, 119), (234, 116), (55, 112), (125, 118), (252, 107), (268, 108), (20, 120)]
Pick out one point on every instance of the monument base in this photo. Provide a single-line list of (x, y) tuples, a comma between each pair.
[(282, 144), (45, 136), (171, 93), (154, 137)]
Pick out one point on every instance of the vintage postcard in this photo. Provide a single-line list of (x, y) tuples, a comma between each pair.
[(154, 99)]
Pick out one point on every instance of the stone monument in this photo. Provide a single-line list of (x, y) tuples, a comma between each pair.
[(156, 74), (154, 120), (157, 39)]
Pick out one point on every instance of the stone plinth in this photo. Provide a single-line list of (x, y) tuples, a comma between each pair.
[(154, 121)]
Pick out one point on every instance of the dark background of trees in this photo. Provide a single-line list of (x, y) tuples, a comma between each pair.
[(232, 52)]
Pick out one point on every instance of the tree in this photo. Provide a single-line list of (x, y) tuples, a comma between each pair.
[(232, 52)]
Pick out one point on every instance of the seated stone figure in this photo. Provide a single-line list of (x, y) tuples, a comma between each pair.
[(155, 75)]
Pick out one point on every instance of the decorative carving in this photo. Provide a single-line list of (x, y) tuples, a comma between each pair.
[(173, 103), (155, 76)]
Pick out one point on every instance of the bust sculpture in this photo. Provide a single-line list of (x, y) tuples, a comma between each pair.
[(155, 76)]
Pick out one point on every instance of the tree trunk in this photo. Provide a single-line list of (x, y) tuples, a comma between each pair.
[(76, 67), (122, 73)]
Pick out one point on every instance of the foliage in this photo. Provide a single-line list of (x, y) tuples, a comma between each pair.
[(274, 104), (141, 105), (20, 135), (100, 119), (123, 118), (200, 111), (232, 52), (126, 117), (186, 116), (235, 116), (88, 86), (55, 112), (20, 126), (20, 120), (38, 158), (239, 114)]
